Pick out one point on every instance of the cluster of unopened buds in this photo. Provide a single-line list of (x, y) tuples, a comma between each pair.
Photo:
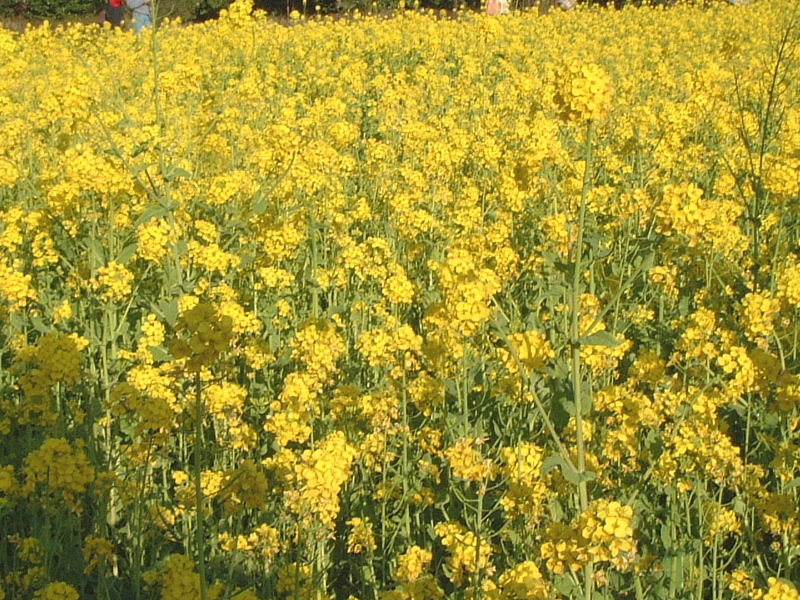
[(209, 335)]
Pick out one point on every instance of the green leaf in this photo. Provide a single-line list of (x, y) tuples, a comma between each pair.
[(683, 306), (666, 535), (96, 250), (569, 473), (159, 354), (259, 206), (793, 483), (151, 213), (182, 247), (551, 462), (601, 338), (740, 506), (566, 586), (139, 148), (142, 167), (648, 261), (168, 309), (126, 253), (171, 173), (581, 477), (500, 322), (38, 324)]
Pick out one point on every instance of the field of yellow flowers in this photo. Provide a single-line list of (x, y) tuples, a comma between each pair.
[(403, 309)]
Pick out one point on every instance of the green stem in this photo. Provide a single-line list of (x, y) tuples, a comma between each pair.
[(575, 324), (198, 487), (477, 581), (583, 490)]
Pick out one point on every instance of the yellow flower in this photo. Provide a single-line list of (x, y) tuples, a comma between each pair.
[(524, 582), (115, 281), (62, 312), (532, 349), (58, 469), (209, 336), (56, 591), (759, 315), (585, 94), (528, 490), (780, 590), (96, 552), (178, 578), (319, 476), (467, 552), (15, 288), (154, 238), (361, 537), (412, 564), (466, 462)]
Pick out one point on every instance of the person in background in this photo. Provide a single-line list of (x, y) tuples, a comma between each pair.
[(493, 7), (115, 12), (141, 14)]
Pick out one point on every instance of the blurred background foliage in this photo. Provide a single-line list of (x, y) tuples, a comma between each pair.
[(199, 10)]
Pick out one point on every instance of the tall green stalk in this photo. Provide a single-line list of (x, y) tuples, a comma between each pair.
[(198, 487), (577, 377)]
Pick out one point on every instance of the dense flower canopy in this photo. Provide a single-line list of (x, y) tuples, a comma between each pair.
[(404, 308)]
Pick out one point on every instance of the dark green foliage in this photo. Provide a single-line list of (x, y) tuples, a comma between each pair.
[(202, 10), (52, 9)]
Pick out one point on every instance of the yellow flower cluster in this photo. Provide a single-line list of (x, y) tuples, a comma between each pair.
[(467, 553), (54, 360), (263, 542), (789, 284), (708, 225), (361, 537), (59, 470), (778, 590), (379, 346), (211, 257), (532, 349), (318, 477), (628, 412), (719, 521), (759, 315), (209, 337), (528, 489), (599, 358), (178, 579), (293, 411), (468, 288), (335, 263), (15, 287), (153, 335), (295, 582), (154, 239), (586, 92), (154, 413), (29, 550), (97, 552), (9, 486), (398, 288), (700, 447), (466, 462), (115, 281), (318, 346), (56, 591), (779, 514), (524, 581), (602, 533), (412, 564)]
